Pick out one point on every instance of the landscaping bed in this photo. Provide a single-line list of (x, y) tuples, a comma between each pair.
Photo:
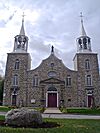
[(43, 125)]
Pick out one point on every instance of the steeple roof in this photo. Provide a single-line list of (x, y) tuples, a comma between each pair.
[(22, 31), (83, 32)]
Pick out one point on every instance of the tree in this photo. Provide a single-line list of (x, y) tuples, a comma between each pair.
[(1, 89)]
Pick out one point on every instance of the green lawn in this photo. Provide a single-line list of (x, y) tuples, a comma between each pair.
[(5, 109), (67, 126), (81, 111), (2, 117)]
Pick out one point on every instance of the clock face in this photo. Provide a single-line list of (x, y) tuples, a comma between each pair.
[(52, 74)]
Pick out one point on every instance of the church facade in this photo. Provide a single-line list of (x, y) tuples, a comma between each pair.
[(52, 84)]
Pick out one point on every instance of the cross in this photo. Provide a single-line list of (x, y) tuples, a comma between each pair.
[(23, 17), (81, 16)]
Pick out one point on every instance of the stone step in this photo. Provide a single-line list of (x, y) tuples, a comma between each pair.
[(52, 111)]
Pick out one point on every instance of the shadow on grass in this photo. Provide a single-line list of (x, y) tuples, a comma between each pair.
[(43, 125)]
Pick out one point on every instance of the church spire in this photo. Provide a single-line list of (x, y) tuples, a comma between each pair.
[(21, 40), (22, 31), (83, 42), (83, 33)]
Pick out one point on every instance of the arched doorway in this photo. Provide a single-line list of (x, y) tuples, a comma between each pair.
[(90, 101), (14, 100), (52, 97)]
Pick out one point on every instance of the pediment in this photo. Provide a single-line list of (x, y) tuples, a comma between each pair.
[(52, 81)]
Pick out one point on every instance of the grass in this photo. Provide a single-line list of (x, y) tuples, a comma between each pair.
[(67, 126), (81, 111), (5, 109), (41, 110), (2, 117)]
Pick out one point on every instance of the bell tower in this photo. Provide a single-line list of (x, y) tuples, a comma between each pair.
[(86, 64), (21, 40), (83, 42), (18, 63)]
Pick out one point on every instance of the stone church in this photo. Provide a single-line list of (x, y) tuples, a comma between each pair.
[(52, 84)]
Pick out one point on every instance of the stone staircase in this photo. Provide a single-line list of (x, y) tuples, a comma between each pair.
[(52, 111)]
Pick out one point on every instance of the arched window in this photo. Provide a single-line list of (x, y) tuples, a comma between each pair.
[(15, 80), (88, 80), (17, 64), (68, 81), (35, 80), (87, 64)]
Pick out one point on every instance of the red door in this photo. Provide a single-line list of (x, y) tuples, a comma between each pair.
[(52, 99), (90, 101)]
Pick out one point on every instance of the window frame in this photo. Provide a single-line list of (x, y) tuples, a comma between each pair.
[(88, 80), (16, 67), (87, 64), (15, 81), (68, 81), (35, 81)]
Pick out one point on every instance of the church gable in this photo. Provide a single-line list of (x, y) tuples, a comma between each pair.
[(52, 81)]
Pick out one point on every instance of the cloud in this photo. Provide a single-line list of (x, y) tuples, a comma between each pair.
[(49, 22)]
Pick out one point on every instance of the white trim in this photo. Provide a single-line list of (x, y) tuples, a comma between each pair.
[(46, 100), (57, 100), (47, 97)]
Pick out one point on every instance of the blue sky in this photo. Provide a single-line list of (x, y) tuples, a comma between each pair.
[(48, 22)]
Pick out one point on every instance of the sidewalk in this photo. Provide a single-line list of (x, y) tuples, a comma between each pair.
[(66, 116), (52, 111), (70, 116)]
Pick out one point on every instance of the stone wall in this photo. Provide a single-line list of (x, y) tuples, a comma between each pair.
[(21, 89), (50, 72), (82, 72)]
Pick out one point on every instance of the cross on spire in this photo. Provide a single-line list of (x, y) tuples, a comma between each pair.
[(22, 31), (23, 17), (81, 16)]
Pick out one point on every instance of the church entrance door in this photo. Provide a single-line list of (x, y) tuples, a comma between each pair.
[(90, 100), (13, 100), (52, 99)]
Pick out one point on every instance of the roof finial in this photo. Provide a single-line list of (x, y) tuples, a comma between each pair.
[(81, 16), (22, 31), (23, 17)]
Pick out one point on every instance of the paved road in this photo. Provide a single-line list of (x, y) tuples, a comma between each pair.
[(66, 116), (70, 116), (2, 113)]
